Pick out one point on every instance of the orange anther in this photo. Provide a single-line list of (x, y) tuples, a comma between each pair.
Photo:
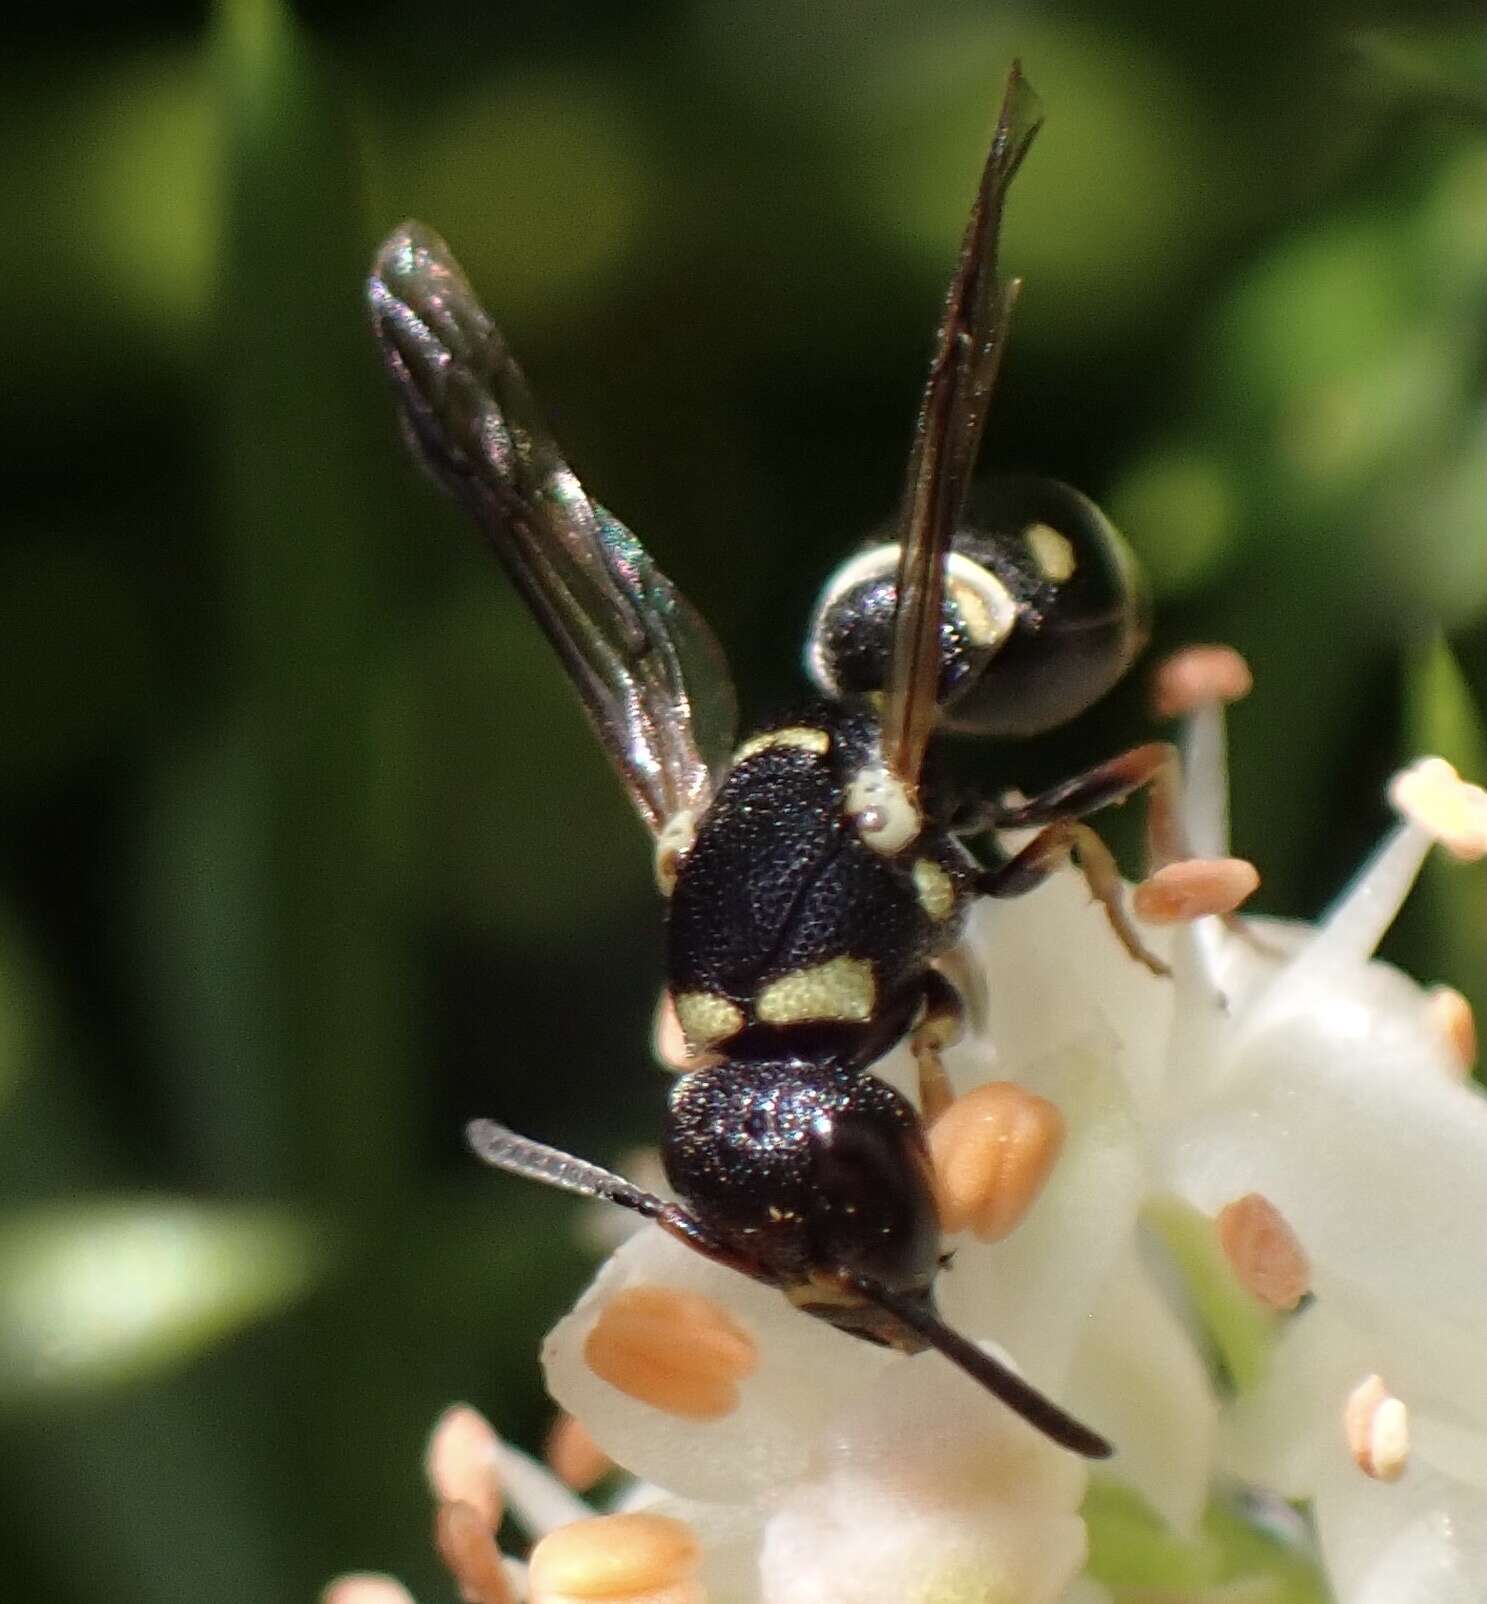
[(677, 1351), (470, 1555), (1194, 888), (993, 1151), (366, 1587), (1452, 1016), (1432, 795), (1377, 1427), (573, 1456), (617, 1557), (1199, 676), (1263, 1251), (460, 1462)]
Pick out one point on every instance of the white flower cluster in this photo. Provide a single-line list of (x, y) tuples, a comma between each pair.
[(1283, 1104)]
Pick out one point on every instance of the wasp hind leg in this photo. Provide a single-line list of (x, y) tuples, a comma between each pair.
[(941, 1024)]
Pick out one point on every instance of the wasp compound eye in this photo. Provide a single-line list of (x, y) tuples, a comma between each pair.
[(1082, 611), (1044, 611), (850, 639)]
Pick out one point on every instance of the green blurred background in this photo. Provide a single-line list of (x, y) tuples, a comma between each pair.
[(308, 857)]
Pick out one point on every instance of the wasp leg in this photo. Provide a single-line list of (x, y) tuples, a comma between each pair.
[(1154, 765), (941, 1025), (1053, 847)]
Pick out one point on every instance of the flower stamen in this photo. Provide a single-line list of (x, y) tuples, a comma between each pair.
[(1199, 676), (468, 1549), (1376, 1424), (1451, 1014), (1192, 889), (993, 1151), (679, 1352), (618, 1557), (462, 1463), (1263, 1251), (1433, 796), (573, 1456)]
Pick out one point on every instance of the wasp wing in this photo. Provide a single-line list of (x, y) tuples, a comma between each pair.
[(972, 336), (648, 670)]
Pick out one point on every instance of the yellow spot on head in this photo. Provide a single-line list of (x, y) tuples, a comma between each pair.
[(1053, 552), (706, 1017), (934, 889), (842, 989), (801, 737)]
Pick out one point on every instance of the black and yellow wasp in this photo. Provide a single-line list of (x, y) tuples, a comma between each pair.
[(815, 875)]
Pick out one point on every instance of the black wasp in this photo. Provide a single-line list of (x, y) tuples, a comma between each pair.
[(815, 875)]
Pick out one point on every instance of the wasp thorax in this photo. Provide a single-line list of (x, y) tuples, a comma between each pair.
[(810, 1172), (1044, 611)]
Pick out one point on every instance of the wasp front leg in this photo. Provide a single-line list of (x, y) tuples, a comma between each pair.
[(1154, 766), (1050, 849)]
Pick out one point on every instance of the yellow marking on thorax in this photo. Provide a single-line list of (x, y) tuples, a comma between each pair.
[(800, 736), (934, 888), (1053, 552), (843, 989), (707, 1017), (885, 813), (674, 841)]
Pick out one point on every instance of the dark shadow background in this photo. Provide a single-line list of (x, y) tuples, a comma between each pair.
[(307, 854)]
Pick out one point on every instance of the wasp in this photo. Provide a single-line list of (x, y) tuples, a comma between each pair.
[(816, 875)]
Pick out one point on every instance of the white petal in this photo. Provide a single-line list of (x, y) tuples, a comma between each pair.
[(1055, 972), (1342, 1119), (928, 1492), (1032, 1293), (1422, 1540), (1286, 1432), (806, 1371), (1138, 1378)]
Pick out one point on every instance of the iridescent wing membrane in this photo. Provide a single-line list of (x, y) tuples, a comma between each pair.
[(648, 670), (973, 335)]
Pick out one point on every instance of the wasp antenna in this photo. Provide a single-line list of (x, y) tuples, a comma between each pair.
[(536, 1161), (1020, 1396)]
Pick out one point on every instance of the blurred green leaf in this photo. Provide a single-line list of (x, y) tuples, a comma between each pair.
[(1179, 507), (102, 1293), (563, 151), (1231, 1559), (64, 704)]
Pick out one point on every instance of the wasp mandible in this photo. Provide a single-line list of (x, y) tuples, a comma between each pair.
[(816, 875)]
